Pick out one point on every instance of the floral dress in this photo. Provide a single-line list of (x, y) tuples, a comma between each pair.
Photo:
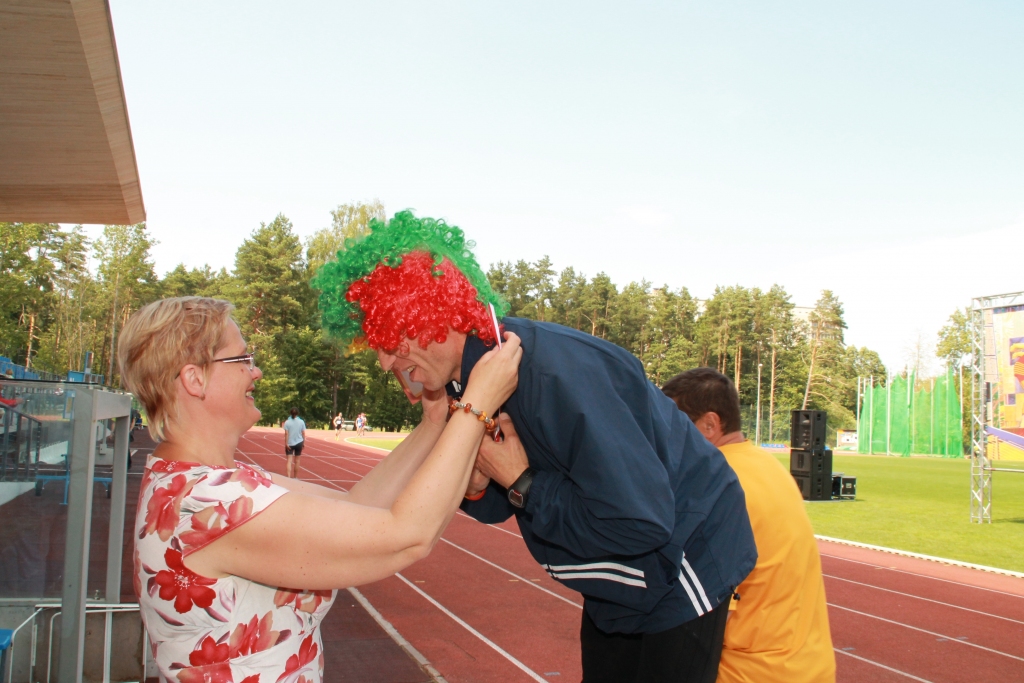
[(228, 630)]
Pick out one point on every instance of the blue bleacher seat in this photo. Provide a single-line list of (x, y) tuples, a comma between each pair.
[(5, 644)]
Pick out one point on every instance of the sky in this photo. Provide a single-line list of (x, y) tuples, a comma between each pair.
[(871, 148)]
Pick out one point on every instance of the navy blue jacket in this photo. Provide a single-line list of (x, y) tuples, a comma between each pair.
[(630, 505)]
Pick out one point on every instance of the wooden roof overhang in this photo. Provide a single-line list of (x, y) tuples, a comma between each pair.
[(66, 152)]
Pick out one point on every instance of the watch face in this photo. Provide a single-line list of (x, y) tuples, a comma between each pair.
[(515, 498)]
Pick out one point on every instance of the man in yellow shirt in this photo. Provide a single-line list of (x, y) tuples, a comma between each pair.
[(778, 627)]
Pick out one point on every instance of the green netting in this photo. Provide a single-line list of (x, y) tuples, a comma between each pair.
[(924, 418)]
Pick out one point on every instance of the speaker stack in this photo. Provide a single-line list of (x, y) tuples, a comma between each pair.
[(810, 462)]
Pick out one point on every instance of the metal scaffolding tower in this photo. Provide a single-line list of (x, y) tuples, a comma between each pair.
[(984, 374)]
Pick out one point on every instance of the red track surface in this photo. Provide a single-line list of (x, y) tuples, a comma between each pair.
[(480, 609)]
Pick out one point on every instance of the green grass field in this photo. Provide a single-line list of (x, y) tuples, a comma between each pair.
[(923, 505), (388, 444), (916, 504)]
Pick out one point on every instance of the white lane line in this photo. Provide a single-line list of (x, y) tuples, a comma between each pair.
[(397, 637), (326, 481), (923, 576), (918, 597), (919, 556), (931, 633), (882, 666), (276, 454), (489, 526), (511, 573), (490, 643), (313, 453), (323, 453)]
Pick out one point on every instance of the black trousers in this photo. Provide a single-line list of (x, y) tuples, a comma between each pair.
[(688, 653)]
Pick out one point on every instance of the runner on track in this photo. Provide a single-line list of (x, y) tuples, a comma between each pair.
[(294, 440), (339, 422)]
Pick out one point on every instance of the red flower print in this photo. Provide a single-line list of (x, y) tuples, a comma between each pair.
[(256, 636), (249, 477), (306, 654), (213, 673), (305, 601), (255, 678), (171, 466), (164, 507), (211, 523), (209, 652), (137, 572), (183, 585), (209, 663)]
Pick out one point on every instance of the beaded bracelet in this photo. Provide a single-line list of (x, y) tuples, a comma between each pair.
[(489, 424)]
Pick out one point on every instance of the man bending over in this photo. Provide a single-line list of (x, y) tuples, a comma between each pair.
[(616, 493)]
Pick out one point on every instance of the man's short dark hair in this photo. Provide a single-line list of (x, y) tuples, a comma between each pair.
[(703, 390), (295, 412)]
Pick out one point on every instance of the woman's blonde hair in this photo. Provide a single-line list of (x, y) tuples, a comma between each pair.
[(162, 338)]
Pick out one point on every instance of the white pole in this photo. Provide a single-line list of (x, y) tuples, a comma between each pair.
[(961, 432), (888, 412), (871, 417), (757, 422), (859, 433)]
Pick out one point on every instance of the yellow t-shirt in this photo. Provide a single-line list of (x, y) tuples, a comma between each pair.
[(779, 628)]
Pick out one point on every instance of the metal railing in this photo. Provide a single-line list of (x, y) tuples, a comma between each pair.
[(20, 445), (107, 609)]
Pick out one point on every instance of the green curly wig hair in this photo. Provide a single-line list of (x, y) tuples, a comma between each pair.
[(407, 278)]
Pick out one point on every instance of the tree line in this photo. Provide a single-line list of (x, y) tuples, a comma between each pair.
[(55, 306)]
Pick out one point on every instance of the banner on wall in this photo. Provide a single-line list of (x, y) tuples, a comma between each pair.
[(1006, 384), (1008, 392)]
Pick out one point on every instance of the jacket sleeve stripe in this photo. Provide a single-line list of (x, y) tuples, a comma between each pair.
[(595, 565), (696, 583), (599, 575)]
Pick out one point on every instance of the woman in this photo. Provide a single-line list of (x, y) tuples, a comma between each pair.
[(339, 422), (215, 537)]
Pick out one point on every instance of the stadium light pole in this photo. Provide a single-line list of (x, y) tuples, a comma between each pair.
[(757, 422)]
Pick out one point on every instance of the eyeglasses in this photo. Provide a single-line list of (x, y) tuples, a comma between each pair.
[(249, 359)]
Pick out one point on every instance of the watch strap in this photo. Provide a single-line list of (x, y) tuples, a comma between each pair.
[(520, 488)]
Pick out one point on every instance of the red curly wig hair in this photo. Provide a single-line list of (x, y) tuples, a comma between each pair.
[(420, 300)]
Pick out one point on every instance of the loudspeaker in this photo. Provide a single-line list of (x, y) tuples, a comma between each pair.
[(817, 486), (807, 431), (808, 462), (844, 486)]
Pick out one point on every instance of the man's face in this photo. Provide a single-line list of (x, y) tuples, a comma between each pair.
[(434, 366)]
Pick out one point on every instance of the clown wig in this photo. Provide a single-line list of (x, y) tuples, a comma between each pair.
[(408, 278)]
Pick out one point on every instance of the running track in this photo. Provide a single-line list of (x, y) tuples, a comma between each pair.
[(480, 609)]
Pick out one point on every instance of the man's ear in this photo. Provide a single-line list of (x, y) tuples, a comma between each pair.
[(709, 424), (193, 381)]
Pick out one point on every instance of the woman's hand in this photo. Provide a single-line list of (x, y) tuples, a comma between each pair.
[(495, 376), (478, 481), (435, 407)]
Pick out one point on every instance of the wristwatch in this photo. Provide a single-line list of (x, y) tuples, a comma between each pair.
[(520, 488)]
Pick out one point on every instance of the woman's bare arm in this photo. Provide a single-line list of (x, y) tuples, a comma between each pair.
[(318, 543), (381, 486)]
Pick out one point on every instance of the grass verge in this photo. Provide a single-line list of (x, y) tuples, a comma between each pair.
[(916, 504), (923, 505), (388, 444)]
